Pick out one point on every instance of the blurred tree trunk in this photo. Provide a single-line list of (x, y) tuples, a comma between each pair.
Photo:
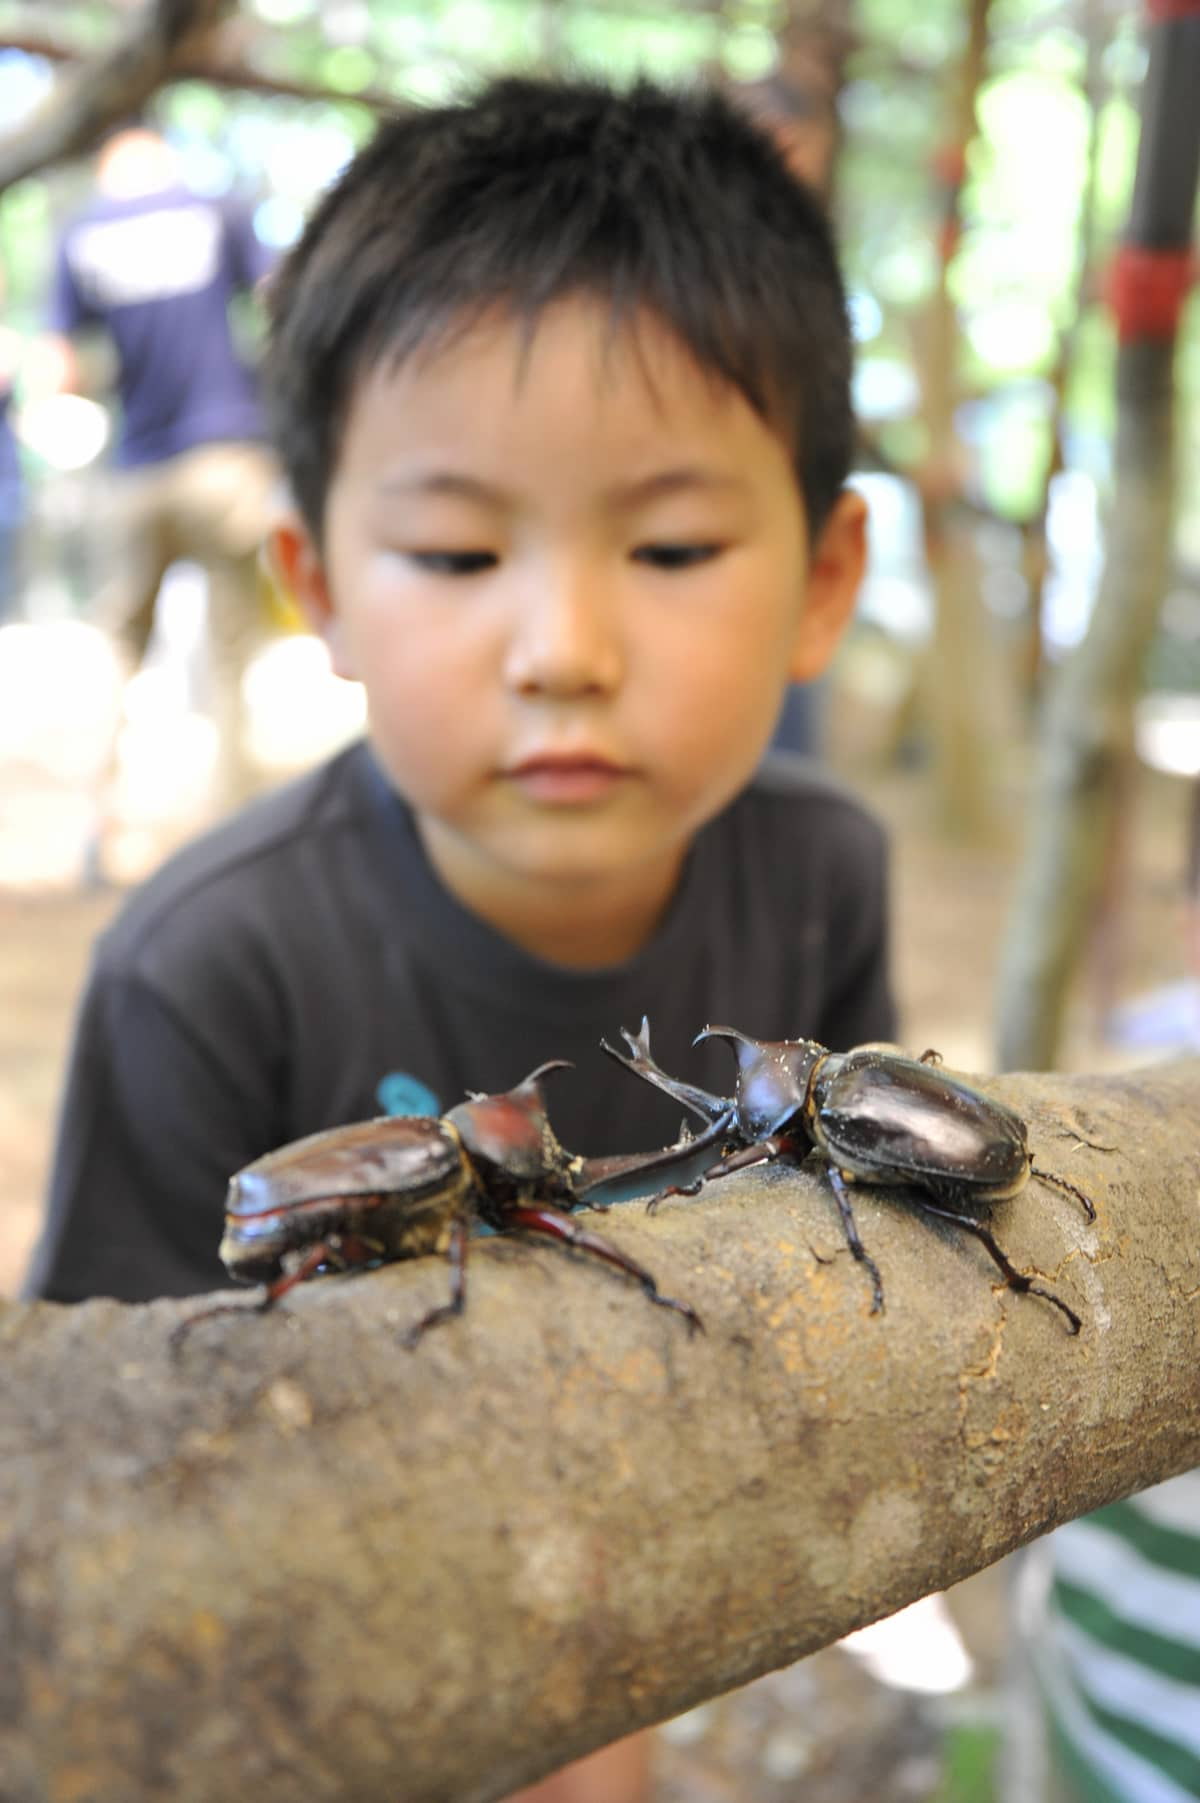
[(1192, 896), (952, 674), (798, 101), (298, 1561), (1088, 730), (1036, 556)]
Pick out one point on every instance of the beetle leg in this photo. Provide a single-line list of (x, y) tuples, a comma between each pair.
[(676, 1189), (841, 1195), (929, 1056), (304, 1268), (270, 1294), (1089, 1206), (741, 1160), (445, 1311), (745, 1156), (1016, 1280), (561, 1227)]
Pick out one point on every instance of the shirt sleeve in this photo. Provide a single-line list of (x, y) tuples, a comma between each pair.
[(67, 311), (150, 1131), (249, 258)]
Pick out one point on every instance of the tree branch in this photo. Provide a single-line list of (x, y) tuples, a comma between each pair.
[(221, 61), (301, 1561), (96, 94)]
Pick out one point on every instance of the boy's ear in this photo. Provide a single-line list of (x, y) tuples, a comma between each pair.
[(296, 564), (835, 572)]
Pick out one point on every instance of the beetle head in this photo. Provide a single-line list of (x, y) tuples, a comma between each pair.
[(509, 1136), (773, 1080)]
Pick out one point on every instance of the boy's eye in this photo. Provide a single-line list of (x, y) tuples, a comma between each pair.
[(453, 563), (675, 557)]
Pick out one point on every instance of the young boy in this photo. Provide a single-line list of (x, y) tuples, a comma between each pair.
[(561, 382)]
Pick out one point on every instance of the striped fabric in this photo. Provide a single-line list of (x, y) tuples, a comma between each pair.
[(1119, 1661)]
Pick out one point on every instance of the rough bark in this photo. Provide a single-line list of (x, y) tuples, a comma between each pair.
[(300, 1561)]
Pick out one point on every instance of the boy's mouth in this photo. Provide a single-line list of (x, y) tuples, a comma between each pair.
[(567, 778)]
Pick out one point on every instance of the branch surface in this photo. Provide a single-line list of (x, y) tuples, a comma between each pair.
[(300, 1561)]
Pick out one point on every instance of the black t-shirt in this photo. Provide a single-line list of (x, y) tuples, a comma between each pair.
[(302, 966)]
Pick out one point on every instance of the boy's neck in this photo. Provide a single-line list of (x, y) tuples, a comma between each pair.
[(578, 922)]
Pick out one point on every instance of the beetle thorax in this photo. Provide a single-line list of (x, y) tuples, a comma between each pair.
[(775, 1085)]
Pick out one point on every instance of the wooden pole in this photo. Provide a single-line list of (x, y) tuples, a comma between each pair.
[(1088, 731)]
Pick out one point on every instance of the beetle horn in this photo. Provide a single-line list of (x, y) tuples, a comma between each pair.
[(731, 1034), (543, 1070)]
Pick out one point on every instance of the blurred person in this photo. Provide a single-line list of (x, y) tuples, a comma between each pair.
[(1105, 1705), (560, 377), (155, 267), (1104, 1701), (1111, 1607)]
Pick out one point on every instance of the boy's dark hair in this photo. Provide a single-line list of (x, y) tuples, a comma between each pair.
[(537, 189)]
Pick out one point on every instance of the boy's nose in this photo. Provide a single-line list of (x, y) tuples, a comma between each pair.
[(565, 641)]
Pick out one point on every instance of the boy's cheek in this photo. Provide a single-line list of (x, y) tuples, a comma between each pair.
[(412, 731)]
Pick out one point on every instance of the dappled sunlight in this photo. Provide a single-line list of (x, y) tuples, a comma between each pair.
[(1167, 728), (78, 751), (298, 709), (67, 431), (60, 697), (918, 1649)]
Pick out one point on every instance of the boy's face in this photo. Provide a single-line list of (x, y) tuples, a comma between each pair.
[(574, 578)]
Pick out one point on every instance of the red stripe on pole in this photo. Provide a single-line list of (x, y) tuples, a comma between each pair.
[(1160, 11), (949, 162), (1147, 290)]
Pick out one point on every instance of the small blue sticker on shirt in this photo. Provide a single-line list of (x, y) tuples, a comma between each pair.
[(399, 1093)]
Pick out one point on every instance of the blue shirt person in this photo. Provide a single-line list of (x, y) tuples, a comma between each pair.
[(156, 268)]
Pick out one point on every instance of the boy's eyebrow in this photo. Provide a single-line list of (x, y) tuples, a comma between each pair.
[(669, 482), (627, 494), (442, 482)]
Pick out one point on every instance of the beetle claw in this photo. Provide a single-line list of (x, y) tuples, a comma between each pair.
[(252, 1306), (412, 1336), (674, 1189), (1063, 1183)]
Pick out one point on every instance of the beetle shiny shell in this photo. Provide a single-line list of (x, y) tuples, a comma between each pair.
[(396, 1188), (891, 1119), (347, 1179), (875, 1116)]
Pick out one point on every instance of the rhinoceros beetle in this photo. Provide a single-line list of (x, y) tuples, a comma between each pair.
[(382, 1190), (875, 1117)]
